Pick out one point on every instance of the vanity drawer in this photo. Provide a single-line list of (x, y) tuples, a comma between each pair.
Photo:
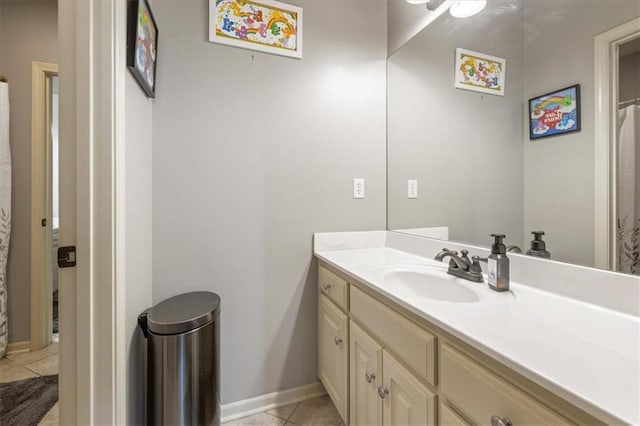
[(334, 287), (480, 394), (448, 417), (407, 340)]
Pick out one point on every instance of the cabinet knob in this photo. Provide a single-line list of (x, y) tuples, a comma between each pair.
[(370, 377), (500, 421), (382, 392), (337, 341), (326, 288)]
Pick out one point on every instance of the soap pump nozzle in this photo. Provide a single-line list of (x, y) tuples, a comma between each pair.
[(498, 246), (538, 246)]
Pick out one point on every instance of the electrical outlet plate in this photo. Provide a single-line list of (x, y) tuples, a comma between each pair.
[(358, 188), (412, 188)]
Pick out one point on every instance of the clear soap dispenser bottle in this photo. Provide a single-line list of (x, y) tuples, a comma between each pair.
[(498, 265)]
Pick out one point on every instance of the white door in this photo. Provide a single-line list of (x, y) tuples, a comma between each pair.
[(42, 195), (92, 50)]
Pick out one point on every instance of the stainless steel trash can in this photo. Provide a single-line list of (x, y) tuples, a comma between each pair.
[(183, 360)]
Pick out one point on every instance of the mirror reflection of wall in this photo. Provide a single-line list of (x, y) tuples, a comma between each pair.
[(476, 168), (628, 159), (462, 147)]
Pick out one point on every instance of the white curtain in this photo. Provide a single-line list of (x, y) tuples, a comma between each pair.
[(5, 211), (628, 190)]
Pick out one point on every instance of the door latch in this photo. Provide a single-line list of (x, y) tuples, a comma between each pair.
[(67, 257)]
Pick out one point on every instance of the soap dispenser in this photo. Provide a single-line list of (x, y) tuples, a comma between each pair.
[(498, 265), (538, 246)]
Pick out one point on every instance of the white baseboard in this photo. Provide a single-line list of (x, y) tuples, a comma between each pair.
[(18, 347), (248, 407)]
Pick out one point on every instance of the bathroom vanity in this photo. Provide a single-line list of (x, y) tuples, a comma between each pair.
[(401, 342)]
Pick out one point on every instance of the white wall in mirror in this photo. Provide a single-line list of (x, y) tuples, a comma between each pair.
[(477, 170), (405, 20), (464, 148)]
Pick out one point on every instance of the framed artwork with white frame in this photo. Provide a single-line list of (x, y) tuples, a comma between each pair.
[(265, 26), (480, 72)]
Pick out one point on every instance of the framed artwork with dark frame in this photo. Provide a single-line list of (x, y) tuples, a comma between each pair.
[(555, 113), (142, 45)]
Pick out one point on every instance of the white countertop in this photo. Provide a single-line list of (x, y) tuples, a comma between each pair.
[(587, 354)]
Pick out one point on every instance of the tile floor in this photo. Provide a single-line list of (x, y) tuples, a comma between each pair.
[(316, 412), (32, 364)]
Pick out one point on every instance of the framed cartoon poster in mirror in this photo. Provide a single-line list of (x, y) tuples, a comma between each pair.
[(555, 113)]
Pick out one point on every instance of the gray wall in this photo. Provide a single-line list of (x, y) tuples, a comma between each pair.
[(559, 171), (138, 236), (629, 76), (28, 32), (464, 148), (404, 20), (252, 153)]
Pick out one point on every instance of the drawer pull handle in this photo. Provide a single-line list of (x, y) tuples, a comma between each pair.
[(370, 377), (499, 421), (337, 341), (326, 288), (382, 392)]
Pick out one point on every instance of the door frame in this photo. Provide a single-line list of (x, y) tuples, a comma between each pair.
[(41, 198), (93, 355), (606, 47)]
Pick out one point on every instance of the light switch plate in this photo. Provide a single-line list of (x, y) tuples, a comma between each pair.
[(412, 188), (358, 188)]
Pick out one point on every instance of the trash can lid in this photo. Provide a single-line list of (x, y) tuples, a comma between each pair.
[(183, 313)]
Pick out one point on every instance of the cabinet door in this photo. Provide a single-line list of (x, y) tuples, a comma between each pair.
[(333, 357), (365, 376), (407, 401)]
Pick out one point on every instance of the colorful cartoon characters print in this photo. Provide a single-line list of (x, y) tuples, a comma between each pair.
[(480, 72), (257, 23), (145, 53), (554, 113)]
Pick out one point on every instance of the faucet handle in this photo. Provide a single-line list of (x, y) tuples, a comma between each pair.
[(465, 258), (475, 269)]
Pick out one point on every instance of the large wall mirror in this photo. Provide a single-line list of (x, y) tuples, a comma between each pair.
[(462, 164)]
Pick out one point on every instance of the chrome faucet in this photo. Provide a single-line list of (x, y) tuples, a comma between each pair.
[(461, 266)]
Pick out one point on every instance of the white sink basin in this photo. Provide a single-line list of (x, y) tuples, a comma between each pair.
[(431, 284)]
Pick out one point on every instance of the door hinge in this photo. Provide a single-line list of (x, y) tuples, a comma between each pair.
[(43, 222), (67, 257)]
